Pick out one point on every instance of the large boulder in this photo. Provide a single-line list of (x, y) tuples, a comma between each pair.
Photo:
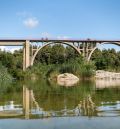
[(67, 79)]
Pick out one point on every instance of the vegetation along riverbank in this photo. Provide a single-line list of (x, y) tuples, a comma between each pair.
[(54, 60)]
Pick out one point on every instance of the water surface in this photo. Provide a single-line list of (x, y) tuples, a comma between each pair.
[(44, 105)]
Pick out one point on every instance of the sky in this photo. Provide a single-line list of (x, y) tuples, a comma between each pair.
[(73, 19)]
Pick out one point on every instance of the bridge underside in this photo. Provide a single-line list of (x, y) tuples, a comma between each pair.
[(83, 47)]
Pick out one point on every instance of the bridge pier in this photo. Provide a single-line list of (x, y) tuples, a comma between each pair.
[(26, 55)]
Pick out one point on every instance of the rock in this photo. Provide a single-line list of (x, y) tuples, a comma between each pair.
[(67, 79), (101, 74)]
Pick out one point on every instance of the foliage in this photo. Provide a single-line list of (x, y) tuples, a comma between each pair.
[(5, 77), (12, 62), (56, 54), (107, 59), (78, 67), (55, 59)]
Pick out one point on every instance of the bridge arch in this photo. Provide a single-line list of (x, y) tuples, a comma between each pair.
[(115, 43), (66, 43)]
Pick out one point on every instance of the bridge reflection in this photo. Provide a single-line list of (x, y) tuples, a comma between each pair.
[(30, 108), (47, 104), (85, 107)]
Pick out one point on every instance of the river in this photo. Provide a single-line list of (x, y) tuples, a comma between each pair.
[(44, 105)]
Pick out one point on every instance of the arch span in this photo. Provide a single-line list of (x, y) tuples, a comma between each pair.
[(115, 43), (66, 43)]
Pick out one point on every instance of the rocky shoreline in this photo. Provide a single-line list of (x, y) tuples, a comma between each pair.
[(101, 74), (68, 79)]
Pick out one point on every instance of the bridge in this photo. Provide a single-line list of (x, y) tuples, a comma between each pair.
[(84, 47)]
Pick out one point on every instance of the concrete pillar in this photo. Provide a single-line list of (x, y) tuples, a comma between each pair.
[(24, 66), (26, 55)]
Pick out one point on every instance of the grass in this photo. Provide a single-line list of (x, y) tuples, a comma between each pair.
[(78, 67)]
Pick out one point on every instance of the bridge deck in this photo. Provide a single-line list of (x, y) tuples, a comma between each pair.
[(19, 42)]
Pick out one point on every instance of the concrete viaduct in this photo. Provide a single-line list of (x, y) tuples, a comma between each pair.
[(84, 47)]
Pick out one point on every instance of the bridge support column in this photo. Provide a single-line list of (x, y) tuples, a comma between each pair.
[(26, 55), (89, 48)]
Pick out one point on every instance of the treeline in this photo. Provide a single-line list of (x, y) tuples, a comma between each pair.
[(11, 65), (107, 59), (59, 59), (56, 54)]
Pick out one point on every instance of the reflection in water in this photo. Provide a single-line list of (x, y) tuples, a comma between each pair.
[(85, 107), (26, 101), (44, 100), (10, 109), (109, 109), (104, 83)]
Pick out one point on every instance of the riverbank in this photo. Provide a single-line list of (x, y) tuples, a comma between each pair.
[(78, 67), (101, 74), (102, 79)]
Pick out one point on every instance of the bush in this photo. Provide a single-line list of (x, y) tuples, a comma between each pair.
[(78, 67), (5, 77)]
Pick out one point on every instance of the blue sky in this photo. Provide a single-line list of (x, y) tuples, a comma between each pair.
[(75, 19)]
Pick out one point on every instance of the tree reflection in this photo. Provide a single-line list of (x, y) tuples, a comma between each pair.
[(40, 100)]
